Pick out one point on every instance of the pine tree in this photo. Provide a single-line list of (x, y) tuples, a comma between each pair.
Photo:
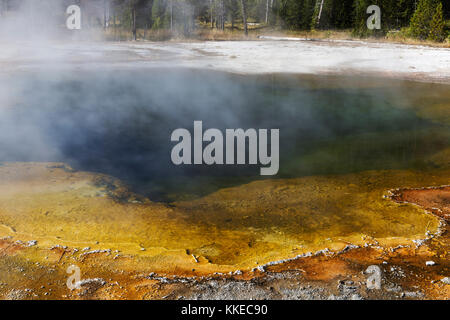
[(342, 14), (158, 14), (244, 16), (360, 14), (307, 14), (421, 20), (291, 14), (437, 25), (323, 14), (405, 10)]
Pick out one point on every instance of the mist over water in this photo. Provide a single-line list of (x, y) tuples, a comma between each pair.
[(120, 122)]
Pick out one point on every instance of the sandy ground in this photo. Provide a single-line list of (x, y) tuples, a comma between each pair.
[(263, 56)]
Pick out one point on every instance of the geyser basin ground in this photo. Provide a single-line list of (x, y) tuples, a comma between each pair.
[(303, 57), (231, 229), (344, 142)]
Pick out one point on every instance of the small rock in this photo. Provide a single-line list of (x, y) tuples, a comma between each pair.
[(412, 295), (446, 280), (31, 243)]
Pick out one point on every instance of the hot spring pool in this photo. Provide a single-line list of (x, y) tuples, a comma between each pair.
[(344, 142)]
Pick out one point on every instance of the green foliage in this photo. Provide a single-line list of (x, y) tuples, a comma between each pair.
[(421, 20), (405, 11), (394, 15), (335, 14), (233, 10), (342, 14), (427, 21), (307, 13), (360, 26), (437, 25), (321, 19), (290, 13), (159, 14), (304, 14)]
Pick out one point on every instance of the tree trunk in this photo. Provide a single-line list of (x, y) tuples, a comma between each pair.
[(133, 21), (104, 14), (320, 12), (272, 3), (115, 26), (222, 15), (244, 16), (212, 14), (171, 15), (267, 11)]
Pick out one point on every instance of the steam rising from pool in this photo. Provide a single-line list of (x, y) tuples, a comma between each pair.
[(120, 122)]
